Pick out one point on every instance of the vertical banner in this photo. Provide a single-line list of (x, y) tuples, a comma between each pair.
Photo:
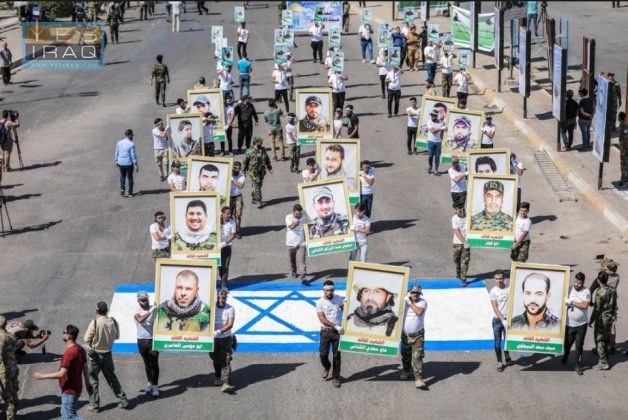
[(394, 56), (433, 32), (286, 18), (524, 61), (238, 14), (537, 311), (425, 11), (217, 32), (338, 61), (408, 14), (474, 10), (375, 308), (464, 58), (335, 36), (226, 56), (367, 16), (280, 53), (499, 38), (559, 83), (602, 125), (461, 28)]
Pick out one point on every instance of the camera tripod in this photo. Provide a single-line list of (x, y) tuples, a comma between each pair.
[(3, 205), (543, 16), (19, 149)]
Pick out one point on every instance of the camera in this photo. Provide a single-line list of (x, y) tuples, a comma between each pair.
[(44, 332), (11, 115)]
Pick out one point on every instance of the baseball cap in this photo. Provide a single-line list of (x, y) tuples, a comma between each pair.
[(30, 324), (462, 120), (494, 185), (323, 192), (434, 113), (201, 100), (313, 98), (415, 288), (142, 295)]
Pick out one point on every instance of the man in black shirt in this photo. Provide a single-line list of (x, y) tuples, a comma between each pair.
[(245, 112), (567, 126), (585, 116)]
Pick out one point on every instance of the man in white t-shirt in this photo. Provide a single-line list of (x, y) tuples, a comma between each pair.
[(523, 224), (176, 181), (243, 39), (160, 236), (292, 142), (431, 60), (577, 302), (462, 81), (236, 202), (435, 129), (462, 251), (413, 336), (328, 309), (223, 341), (337, 83), (311, 172), (362, 227), (393, 82), (295, 241), (176, 14), (144, 319), (458, 179), (412, 112), (446, 71), (499, 300), (517, 167), (316, 40), (160, 148), (488, 133), (367, 179), (227, 235), (280, 80)]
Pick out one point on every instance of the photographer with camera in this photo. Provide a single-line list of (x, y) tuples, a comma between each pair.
[(8, 135), (26, 333)]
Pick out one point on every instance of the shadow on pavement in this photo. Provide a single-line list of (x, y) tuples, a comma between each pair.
[(445, 370), (384, 225), (539, 219), (259, 230), (10, 198), (37, 402), (41, 165), (280, 200), (377, 373), (253, 374), (34, 228)]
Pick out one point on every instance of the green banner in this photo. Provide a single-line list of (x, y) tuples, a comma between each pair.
[(485, 241), (554, 346), (307, 141), (351, 345), (319, 249), (461, 28), (162, 345), (354, 198)]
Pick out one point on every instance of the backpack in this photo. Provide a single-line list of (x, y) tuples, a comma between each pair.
[(3, 134), (15, 327)]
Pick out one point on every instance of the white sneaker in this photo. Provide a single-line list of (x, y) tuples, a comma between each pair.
[(155, 391), (363, 61), (372, 61), (149, 388)]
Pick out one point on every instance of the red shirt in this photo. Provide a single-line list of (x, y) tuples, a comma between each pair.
[(73, 360)]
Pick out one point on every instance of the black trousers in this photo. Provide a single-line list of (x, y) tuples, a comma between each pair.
[(6, 75), (330, 337), (228, 133), (225, 260), (396, 96), (411, 138), (575, 335), (459, 198), (151, 360), (317, 48), (245, 133), (338, 100), (241, 48), (200, 6), (382, 82), (283, 93)]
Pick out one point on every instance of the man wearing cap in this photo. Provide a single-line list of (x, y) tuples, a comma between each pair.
[(429, 88), (201, 104), (375, 314), (461, 140), (413, 336), (256, 162), (144, 316), (184, 311), (327, 222), (335, 165), (160, 148), (236, 201), (160, 236), (126, 159), (329, 311), (586, 110), (610, 268), (26, 335), (246, 114), (314, 120), (272, 116), (458, 179), (295, 241), (435, 129), (488, 133), (160, 76), (492, 218), (9, 370), (176, 181), (462, 251), (183, 145), (223, 341), (99, 338), (195, 234)]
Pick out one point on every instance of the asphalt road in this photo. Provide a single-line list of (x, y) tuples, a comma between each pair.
[(75, 238)]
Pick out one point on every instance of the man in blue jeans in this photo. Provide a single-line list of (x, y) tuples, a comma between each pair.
[(126, 159), (499, 301), (586, 109), (533, 14), (434, 141), (245, 69), (365, 33)]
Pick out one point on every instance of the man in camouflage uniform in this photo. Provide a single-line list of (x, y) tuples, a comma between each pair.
[(256, 162), (604, 306), (623, 149), (462, 251), (492, 218), (327, 222), (114, 19), (612, 283), (9, 371), (413, 337), (160, 76), (615, 97)]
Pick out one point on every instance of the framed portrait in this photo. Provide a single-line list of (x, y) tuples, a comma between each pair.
[(330, 224), (374, 308), (340, 158), (383, 25), (447, 39), (185, 300), (383, 37), (464, 133), (226, 56), (489, 161), (218, 46), (201, 101), (464, 58), (335, 36), (408, 14), (394, 56), (491, 210), (314, 112), (239, 14), (286, 17), (338, 61), (537, 311), (284, 37), (210, 174), (366, 15), (195, 225), (319, 13), (428, 104), (186, 137), (280, 53), (433, 32), (216, 32)]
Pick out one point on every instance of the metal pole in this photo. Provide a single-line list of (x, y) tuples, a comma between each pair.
[(558, 147), (525, 107), (499, 80), (473, 58), (600, 175)]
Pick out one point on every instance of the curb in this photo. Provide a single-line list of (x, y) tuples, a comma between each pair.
[(590, 193)]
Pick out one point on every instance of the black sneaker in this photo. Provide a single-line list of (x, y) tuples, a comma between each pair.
[(578, 370), (294, 274), (563, 360)]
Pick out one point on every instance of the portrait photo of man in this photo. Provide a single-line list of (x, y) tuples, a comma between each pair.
[(496, 211), (535, 296), (494, 162), (375, 299), (203, 101), (210, 175), (460, 137), (181, 308), (195, 221), (327, 214), (338, 161), (429, 104), (186, 136), (463, 131), (314, 112)]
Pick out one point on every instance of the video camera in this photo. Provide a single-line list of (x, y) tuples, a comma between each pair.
[(42, 333), (10, 115)]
